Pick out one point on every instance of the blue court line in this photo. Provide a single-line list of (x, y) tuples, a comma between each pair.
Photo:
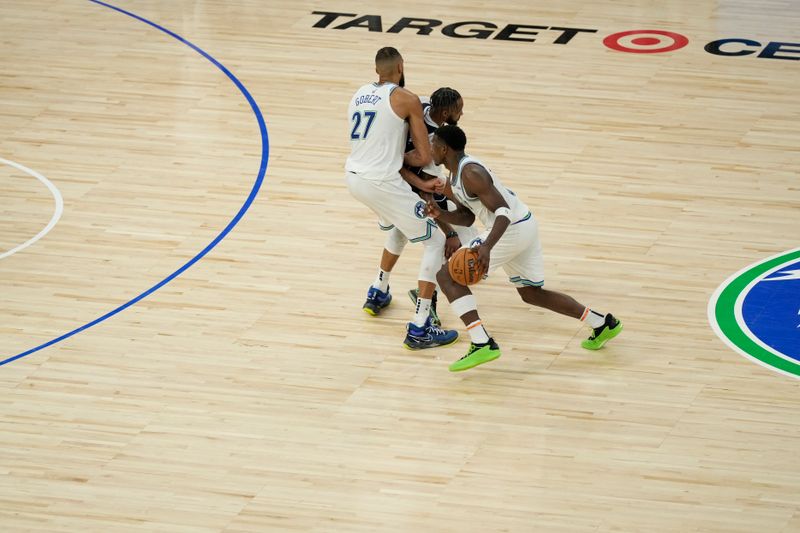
[(253, 193)]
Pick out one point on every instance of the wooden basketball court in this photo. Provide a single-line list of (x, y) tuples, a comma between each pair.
[(250, 393)]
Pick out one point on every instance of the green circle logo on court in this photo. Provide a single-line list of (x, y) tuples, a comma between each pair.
[(757, 312)]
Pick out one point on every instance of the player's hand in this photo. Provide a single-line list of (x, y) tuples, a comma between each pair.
[(426, 185), (439, 185), (484, 253), (432, 210), (451, 244)]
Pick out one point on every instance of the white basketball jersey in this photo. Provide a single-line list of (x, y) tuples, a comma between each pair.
[(519, 210), (377, 134)]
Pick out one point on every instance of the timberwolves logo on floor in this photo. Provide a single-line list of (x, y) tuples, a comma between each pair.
[(757, 312)]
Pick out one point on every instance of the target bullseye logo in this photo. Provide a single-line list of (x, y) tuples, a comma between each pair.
[(645, 41)]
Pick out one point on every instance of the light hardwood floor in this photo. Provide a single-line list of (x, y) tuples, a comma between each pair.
[(251, 393)]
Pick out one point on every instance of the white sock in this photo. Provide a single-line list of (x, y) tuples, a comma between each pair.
[(382, 281), (593, 319), (423, 309), (477, 333), (461, 307)]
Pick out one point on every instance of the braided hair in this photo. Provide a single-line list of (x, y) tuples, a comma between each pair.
[(444, 98)]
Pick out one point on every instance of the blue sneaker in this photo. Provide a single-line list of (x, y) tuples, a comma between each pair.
[(428, 336), (376, 300)]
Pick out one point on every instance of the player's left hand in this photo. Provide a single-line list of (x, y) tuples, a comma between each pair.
[(451, 244)]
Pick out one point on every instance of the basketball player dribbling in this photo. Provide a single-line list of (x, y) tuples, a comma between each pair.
[(510, 240)]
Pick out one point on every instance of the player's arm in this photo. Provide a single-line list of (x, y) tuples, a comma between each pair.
[(409, 107), (443, 187), (478, 182), (452, 242), (427, 185), (462, 216)]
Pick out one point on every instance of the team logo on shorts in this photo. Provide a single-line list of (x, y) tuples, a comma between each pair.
[(419, 209), (757, 312), (474, 243)]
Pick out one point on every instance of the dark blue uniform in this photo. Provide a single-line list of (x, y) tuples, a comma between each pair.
[(431, 126)]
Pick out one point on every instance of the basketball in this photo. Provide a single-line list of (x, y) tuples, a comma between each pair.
[(463, 267)]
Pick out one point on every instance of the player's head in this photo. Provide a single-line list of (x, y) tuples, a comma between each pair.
[(389, 65), (448, 104), (447, 139)]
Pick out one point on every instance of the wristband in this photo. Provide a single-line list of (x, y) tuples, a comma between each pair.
[(503, 212), (451, 234)]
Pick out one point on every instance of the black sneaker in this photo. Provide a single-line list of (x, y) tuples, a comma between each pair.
[(435, 320)]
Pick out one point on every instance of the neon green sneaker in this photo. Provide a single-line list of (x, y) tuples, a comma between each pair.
[(603, 334), (477, 355)]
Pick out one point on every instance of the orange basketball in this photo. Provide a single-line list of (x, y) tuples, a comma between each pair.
[(463, 267)]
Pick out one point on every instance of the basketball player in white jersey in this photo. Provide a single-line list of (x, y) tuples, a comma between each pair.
[(378, 130), (510, 239)]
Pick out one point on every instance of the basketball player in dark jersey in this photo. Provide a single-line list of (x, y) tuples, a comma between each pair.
[(445, 106)]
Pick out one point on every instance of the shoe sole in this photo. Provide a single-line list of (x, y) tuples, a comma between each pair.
[(413, 349), (472, 363), (375, 312), (608, 336)]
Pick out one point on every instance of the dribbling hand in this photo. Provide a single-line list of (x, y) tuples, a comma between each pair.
[(484, 255)]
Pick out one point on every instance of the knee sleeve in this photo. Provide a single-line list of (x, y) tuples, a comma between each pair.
[(395, 241), (432, 257)]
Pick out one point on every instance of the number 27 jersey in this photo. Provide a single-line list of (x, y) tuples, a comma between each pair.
[(377, 134)]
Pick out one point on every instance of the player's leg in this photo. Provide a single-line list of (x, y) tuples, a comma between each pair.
[(465, 234), (604, 326), (552, 300), (482, 349), (414, 294), (422, 332), (378, 295), (375, 195), (407, 212), (526, 272)]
